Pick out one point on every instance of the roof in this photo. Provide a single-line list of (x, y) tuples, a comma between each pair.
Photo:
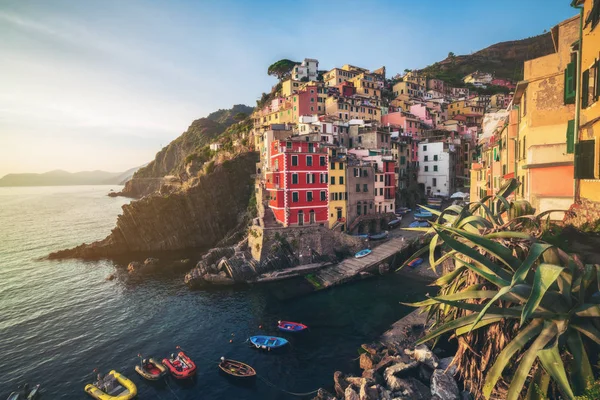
[(521, 86)]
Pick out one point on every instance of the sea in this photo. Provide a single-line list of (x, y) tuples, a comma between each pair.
[(62, 320)]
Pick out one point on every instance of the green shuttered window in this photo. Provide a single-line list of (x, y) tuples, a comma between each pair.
[(571, 136), (570, 83), (585, 88), (584, 159)]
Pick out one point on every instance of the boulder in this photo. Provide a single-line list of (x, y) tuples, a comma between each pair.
[(111, 277), (400, 369), (218, 279), (386, 362), (323, 394), (355, 381), (444, 364), (424, 373), (350, 394), (384, 393), (339, 383), (443, 385), (466, 395), (372, 375), (134, 266), (370, 348), (365, 361), (423, 355), (368, 392), (409, 388)]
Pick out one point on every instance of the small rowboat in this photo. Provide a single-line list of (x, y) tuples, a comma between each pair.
[(267, 342), (113, 386), (288, 326), (363, 253), (394, 223), (24, 391), (418, 224), (151, 369), (180, 366), (415, 263), (236, 369), (379, 236)]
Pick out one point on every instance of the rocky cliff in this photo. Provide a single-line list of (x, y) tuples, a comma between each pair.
[(172, 159), (198, 214)]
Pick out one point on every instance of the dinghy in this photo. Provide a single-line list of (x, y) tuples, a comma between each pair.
[(395, 223), (151, 369), (24, 393), (236, 369), (113, 386), (363, 253), (180, 365), (34, 392), (415, 263), (379, 236), (267, 342), (418, 224), (288, 326)]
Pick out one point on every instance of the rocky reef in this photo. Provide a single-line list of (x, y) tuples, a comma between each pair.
[(196, 215)]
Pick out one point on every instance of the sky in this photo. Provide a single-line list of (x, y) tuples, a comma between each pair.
[(105, 84)]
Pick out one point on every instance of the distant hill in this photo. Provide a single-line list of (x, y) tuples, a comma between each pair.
[(226, 117), (64, 178), (504, 60)]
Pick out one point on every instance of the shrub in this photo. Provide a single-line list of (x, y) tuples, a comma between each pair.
[(517, 305)]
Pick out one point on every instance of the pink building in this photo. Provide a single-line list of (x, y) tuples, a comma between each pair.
[(422, 112), (503, 82), (436, 84)]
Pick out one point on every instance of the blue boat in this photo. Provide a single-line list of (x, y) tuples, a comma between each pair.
[(394, 223), (419, 224), (379, 236), (415, 263), (363, 253), (423, 214), (267, 342)]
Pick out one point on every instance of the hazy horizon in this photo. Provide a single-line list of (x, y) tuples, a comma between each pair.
[(104, 88)]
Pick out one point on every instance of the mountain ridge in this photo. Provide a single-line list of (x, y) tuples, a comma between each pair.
[(59, 177)]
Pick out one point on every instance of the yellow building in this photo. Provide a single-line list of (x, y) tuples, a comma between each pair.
[(347, 108), (366, 85), (289, 87), (416, 78), (587, 98), (409, 88), (338, 192), (464, 107), (338, 75)]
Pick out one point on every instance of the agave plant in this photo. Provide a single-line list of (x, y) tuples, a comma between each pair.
[(524, 312)]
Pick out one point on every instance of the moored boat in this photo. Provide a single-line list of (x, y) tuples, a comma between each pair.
[(34, 392), (151, 369), (288, 326), (180, 365), (24, 393), (267, 342), (363, 253), (113, 386), (237, 369), (395, 223), (379, 236), (415, 263), (418, 224)]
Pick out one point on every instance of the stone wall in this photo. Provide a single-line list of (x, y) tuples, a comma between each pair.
[(305, 242)]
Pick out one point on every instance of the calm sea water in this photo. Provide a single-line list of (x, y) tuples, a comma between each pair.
[(61, 319)]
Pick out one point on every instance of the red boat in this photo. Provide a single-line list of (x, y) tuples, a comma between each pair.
[(181, 366), (288, 326)]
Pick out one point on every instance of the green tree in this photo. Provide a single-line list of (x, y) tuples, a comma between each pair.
[(240, 116), (282, 68), (451, 55)]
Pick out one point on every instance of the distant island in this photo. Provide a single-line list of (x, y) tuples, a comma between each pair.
[(64, 178)]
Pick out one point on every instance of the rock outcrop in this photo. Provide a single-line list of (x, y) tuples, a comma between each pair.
[(196, 216)]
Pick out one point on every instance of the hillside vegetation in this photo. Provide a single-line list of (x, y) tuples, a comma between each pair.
[(504, 60)]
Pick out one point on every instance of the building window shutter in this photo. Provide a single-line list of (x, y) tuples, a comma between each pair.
[(584, 159), (570, 83), (585, 89), (597, 85), (570, 136)]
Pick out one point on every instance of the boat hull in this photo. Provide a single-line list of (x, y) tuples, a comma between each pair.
[(362, 253), (237, 369), (287, 326), (154, 374), (180, 371), (129, 393), (268, 342)]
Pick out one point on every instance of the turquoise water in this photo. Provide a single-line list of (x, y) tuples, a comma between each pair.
[(61, 319)]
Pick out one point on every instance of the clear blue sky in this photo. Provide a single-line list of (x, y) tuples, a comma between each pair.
[(103, 84)]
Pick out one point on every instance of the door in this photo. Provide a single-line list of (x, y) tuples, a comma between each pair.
[(300, 218), (339, 214), (312, 217)]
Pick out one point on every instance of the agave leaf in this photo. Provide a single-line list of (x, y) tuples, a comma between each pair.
[(432, 245), (449, 277), (508, 235), (506, 311), (547, 212), (553, 365), (581, 369), (464, 295), (588, 310), (588, 330), (455, 324), (545, 275), (564, 282), (473, 254), (500, 293), (482, 323), (417, 229), (525, 335), (431, 210), (535, 251), (508, 188), (589, 274), (501, 252), (474, 220), (538, 388), (484, 272), (491, 217), (548, 333)]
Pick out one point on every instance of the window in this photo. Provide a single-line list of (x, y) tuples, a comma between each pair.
[(358, 187), (294, 197), (584, 159), (322, 161), (435, 168), (323, 195), (426, 158), (381, 191), (309, 196), (294, 179), (594, 15), (365, 172), (309, 161), (435, 158), (358, 209), (570, 136), (294, 161), (333, 180), (402, 160), (424, 148), (380, 178), (341, 180), (426, 168), (570, 82), (434, 182), (365, 188), (332, 165)]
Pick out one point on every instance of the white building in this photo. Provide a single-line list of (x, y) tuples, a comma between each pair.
[(215, 146), (307, 69), (437, 170)]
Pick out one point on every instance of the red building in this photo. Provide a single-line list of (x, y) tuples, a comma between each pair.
[(297, 182)]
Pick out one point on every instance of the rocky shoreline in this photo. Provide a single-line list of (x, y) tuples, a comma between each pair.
[(395, 369)]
